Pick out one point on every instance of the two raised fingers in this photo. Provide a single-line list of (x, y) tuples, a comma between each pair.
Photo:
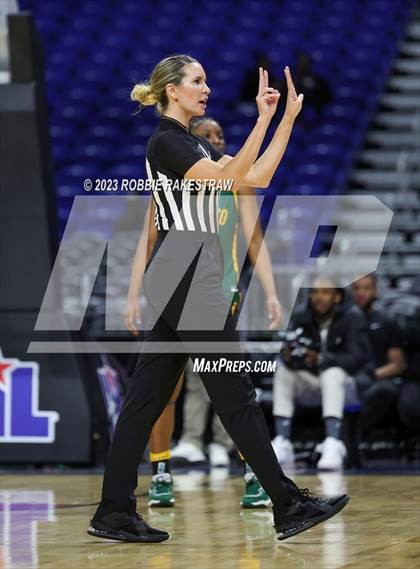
[(263, 80)]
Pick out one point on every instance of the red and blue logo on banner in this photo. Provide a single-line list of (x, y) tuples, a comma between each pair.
[(21, 421)]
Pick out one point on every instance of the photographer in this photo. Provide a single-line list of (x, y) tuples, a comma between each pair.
[(321, 372)]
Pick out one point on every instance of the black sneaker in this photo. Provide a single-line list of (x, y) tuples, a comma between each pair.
[(306, 511), (125, 527)]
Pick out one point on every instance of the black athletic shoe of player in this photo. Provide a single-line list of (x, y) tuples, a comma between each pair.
[(304, 512), (125, 527)]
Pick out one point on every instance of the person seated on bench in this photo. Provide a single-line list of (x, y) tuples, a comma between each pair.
[(340, 347), (377, 388)]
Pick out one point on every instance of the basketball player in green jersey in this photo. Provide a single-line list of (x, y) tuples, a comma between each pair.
[(232, 212)]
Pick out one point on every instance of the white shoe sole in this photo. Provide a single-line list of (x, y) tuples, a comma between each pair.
[(159, 504), (257, 504), (329, 468)]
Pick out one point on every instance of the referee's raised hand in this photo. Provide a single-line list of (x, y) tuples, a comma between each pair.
[(294, 101), (267, 97)]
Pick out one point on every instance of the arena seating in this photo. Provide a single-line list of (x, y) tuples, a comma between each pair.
[(388, 165), (106, 46)]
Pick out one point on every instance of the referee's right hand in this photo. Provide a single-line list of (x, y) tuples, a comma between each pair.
[(132, 316), (267, 97)]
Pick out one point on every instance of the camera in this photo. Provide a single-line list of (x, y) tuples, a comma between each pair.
[(298, 345)]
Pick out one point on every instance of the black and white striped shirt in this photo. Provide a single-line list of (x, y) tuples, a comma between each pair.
[(171, 151)]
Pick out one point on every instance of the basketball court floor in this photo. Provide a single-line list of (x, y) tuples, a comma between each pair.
[(43, 521)]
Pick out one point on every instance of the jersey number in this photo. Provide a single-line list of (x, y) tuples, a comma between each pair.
[(223, 215)]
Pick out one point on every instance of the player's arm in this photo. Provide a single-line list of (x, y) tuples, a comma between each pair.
[(144, 248), (238, 167), (258, 253), (395, 366), (262, 171)]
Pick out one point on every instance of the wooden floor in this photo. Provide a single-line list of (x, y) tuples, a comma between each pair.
[(43, 520)]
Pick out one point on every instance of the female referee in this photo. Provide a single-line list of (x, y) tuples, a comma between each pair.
[(234, 210), (186, 221)]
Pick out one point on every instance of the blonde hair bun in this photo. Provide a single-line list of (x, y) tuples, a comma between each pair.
[(153, 91), (143, 93)]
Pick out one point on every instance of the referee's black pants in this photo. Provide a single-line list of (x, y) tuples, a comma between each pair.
[(156, 375)]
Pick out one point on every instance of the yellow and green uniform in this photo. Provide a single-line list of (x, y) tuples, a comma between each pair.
[(255, 496), (228, 235)]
